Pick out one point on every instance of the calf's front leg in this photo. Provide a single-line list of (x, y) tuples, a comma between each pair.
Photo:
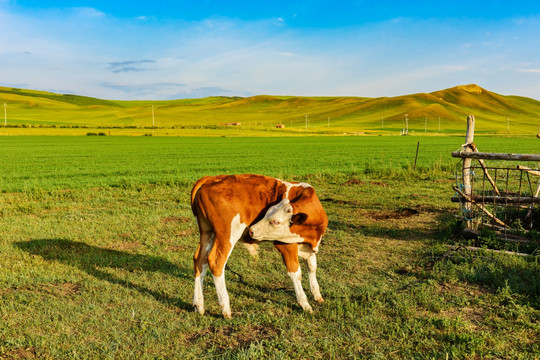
[(306, 253), (226, 239), (289, 252)]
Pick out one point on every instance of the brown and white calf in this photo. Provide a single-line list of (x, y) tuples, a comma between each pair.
[(254, 208)]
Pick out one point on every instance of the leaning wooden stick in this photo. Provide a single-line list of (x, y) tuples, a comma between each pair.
[(486, 211), (483, 165), (528, 170)]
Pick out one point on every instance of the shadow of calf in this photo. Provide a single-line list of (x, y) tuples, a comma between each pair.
[(91, 258)]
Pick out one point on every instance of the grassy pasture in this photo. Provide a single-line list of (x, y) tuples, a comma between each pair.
[(51, 163), (97, 237)]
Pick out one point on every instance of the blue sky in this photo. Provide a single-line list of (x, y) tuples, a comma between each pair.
[(186, 49)]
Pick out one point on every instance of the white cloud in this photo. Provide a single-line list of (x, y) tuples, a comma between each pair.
[(534, 71)]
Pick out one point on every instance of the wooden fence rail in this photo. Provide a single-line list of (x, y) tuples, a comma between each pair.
[(495, 156)]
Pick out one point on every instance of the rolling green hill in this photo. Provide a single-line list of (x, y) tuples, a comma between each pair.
[(442, 111)]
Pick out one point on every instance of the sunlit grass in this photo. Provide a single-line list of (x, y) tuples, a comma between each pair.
[(96, 249)]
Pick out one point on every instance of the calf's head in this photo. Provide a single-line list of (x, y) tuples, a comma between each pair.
[(276, 224)]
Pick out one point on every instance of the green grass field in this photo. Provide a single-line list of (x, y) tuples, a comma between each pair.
[(97, 239), (51, 163)]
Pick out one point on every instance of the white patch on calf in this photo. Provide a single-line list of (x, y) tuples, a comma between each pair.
[(275, 226), (237, 230), (290, 185)]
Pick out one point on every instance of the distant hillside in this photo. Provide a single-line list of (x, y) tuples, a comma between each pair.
[(441, 111), (67, 98)]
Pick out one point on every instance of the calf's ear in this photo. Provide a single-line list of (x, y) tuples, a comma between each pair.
[(298, 219)]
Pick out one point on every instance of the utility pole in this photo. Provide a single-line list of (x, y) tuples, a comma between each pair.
[(407, 124)]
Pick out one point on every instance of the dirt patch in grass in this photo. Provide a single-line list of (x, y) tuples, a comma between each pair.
[(185, 232), (175, 219), (66, 289), (360, 182), (404, 223), (354, 182), (470, 290), (394, 214), (177, 248), (473, 315), (379, 183), (471, 318), (20, 353), (230, 338)]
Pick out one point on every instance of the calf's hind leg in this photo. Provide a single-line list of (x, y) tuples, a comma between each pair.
[(200, 262)]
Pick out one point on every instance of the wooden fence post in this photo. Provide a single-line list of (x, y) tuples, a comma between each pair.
[(416, 156), (467, 189)]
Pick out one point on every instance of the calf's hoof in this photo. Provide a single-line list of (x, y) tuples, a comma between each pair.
[(227, 315), (199, 309)]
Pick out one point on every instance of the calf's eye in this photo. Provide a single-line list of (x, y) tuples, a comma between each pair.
[(275, 222)]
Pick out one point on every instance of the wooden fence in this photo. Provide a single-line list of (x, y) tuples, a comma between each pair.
[(502, 195)]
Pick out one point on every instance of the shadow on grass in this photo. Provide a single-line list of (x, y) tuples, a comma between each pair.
[(90, 258), (385, 225)]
